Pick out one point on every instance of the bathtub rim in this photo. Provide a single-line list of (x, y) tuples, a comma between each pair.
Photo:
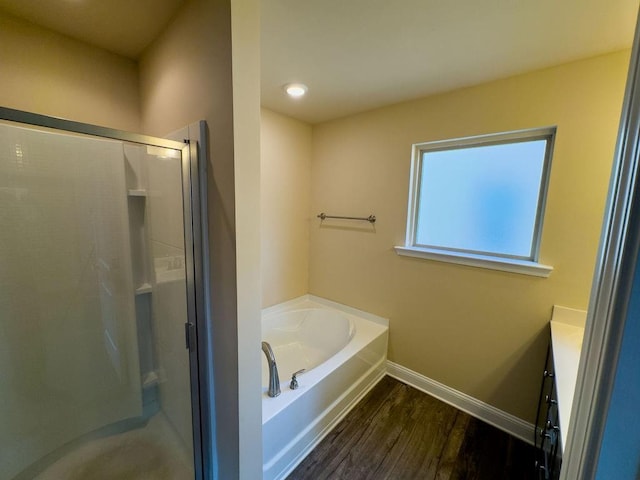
[(287, 305)]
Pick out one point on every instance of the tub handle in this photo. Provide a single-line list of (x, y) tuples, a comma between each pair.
[(294, 380)]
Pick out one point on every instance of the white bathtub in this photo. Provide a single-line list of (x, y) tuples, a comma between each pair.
[(343, 351)]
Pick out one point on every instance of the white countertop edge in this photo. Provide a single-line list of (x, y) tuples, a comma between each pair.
[(570, 316), (567, 332)]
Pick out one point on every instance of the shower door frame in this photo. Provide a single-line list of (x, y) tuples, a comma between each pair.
[(196, 250)]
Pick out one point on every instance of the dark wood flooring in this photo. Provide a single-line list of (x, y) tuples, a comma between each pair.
[(397, 432)]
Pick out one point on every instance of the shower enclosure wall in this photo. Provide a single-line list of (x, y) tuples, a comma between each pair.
[(96, 286)]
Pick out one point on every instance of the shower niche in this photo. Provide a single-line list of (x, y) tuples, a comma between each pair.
[(154, 203)]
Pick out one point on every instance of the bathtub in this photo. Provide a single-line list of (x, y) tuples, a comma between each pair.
[(343, 352)]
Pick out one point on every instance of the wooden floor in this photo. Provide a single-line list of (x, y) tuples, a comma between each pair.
[(397, 432)]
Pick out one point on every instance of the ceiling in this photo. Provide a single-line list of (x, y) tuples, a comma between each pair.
[(357, 55), (124, 27)]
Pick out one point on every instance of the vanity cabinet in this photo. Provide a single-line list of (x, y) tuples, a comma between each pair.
[(547, 432), (557, 389)]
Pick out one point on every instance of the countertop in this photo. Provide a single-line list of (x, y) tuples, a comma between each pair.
[(567, 332)]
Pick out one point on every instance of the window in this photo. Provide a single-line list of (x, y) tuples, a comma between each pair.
[(480, 200)]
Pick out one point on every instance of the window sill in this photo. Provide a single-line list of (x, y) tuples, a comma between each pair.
[(483, 261)]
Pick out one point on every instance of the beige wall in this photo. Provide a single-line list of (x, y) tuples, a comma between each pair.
[(285, 158), (479, 331), (47, 73), (185, 76)]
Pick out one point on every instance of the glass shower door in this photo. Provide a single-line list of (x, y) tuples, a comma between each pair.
[(94, 373)]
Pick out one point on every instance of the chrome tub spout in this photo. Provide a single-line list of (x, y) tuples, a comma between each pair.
[(274, 379)]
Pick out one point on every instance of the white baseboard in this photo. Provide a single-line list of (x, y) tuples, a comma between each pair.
[(474, 407)]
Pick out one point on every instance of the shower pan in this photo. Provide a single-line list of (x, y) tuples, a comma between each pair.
[(100, 301)]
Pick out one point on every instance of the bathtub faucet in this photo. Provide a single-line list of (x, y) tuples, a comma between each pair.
[(274, 380)]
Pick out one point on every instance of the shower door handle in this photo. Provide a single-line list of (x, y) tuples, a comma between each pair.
[(190, 336)]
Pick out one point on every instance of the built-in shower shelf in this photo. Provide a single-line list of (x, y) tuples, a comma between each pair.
[(143, 289), (137, 193)]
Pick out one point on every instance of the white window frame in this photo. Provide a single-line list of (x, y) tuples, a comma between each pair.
[(505, 262)]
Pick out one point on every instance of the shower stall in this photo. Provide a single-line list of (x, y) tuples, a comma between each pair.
[(100, 287)]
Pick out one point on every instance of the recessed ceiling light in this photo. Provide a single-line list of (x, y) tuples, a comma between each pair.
[(295, 90)]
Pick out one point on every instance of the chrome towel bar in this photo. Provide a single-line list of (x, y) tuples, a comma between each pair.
[(370, 218)]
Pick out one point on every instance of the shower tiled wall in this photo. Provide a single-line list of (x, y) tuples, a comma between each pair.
[(68, 351)]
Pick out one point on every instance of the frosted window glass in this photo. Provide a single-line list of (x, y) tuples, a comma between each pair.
[(481, 199)]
